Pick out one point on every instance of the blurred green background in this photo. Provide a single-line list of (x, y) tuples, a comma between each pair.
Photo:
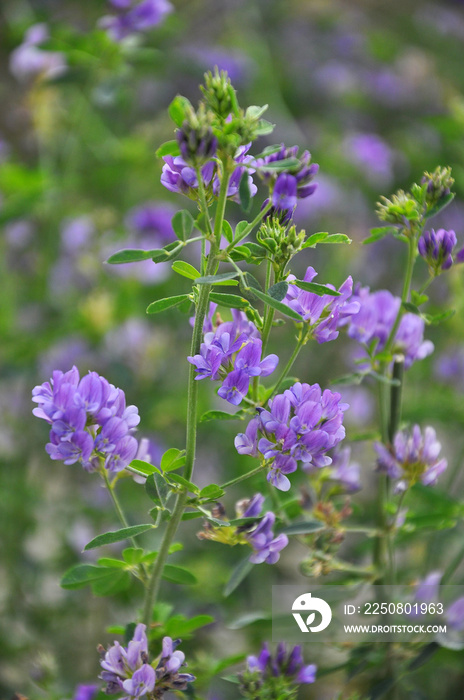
[(375, 90)]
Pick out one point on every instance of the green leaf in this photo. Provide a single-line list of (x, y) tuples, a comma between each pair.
[(314, 239), (241, 226), (129, 255), (278, 291), (167, 303), (157, 489), (383, 379), (278, 165), (132, 555), (277, 305), (212, 491), (169, 252), (337, 238), (221, 415), (216, 279), (315, 288), (254, 112), (143, 468), (183, 224), (230, 301), (82, 575), (347, 379), (111, 563), (228, 661), (192, 515), (168, 148), (378, 233), (435, 319), (227, 231), (248, 619), (179, 627), (117, 535), (240, 572), (112, 583), (244, 192), (418, 299), (304, 528), (411, 308), (179, 109), (185, 269), (264, 128), (172, 459), (439, 206), (177, 574), (424, 655), (179, 480)]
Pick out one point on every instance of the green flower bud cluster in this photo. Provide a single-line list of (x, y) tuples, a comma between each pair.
[(281, 242), (219, 94), (254, 687)]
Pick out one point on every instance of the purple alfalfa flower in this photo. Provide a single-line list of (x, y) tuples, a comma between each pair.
[(244, 164), (85, 691), (89, 420), (437, 249), (142, 683), (28, 61), (235, 387), (170, 662), (119, 663), (248, 360), (266, 547), (134, 17), (413, 457), (250, 507), (289, 665), (375, 321), (281, 466), (301, 424), (284, 193), (326, 313), (247, 443), (125, 450), (345, 472), (179, 177)]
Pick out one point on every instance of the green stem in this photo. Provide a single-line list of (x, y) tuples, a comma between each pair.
[(192, 408), (243, 477), (268, 319), (412, 253), (122, 518), (303, 337), (248, 229), (453, 566)]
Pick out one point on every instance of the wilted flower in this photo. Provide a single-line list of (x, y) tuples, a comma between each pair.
[(302, 424), (413, 457), (89, 420), (276, 676)]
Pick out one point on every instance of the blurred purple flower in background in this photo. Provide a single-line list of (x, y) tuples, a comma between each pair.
[(372, 155), (237, 65), (376, 318), (134, 17), (85, 692), (284, 664), (449, 367), (28, 61), (344, 471), (413, 457)]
